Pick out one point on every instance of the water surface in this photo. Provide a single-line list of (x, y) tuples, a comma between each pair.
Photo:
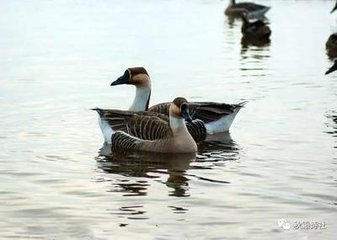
[(58, 180)]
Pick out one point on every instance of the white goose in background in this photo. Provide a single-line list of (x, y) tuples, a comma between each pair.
[(173, 137), (218, 117)]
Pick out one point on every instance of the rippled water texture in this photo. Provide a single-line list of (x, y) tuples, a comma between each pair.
[(58, 180)]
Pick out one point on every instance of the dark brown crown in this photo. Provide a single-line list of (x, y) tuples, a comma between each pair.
[(179, 101), (138, 70)]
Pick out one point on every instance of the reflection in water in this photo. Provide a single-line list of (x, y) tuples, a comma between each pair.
[(142, 164), (217, 149), (231, 21), (249, 41), (332, 125), (253, 57)]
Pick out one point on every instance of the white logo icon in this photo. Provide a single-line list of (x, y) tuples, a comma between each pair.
[(283, 223)]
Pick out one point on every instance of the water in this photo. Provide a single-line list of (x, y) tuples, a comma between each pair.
[(57, 181)]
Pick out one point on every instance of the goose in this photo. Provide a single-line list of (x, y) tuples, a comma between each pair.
[(253, 10), (254, 30), (173, 137), (140, 123), (331, 46), (332, 68), (217, 117)]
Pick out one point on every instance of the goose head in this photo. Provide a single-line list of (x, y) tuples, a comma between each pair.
[(179, 109), (333, 68), (136, 76)]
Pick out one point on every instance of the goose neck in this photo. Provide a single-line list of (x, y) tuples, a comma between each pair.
[(142, 98), (178, 125)]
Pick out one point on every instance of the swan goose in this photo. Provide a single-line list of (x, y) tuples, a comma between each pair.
[(171, 137), (253, 10), (218, 117)]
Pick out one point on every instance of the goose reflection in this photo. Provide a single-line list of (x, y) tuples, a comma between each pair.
[(255, 48), (146, 165), (236, 21), (219, 147), (332, 125), (251, 41), (252, 60)]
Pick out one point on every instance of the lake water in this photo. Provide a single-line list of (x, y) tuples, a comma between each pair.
[(58, 180)]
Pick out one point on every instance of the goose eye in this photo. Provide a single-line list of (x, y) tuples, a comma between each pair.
[(127, 74), (183, 107)]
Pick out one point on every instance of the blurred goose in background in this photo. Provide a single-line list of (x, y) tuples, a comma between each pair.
[(332, 68), (255, 29), (253, 10), (217, 117), (331, 46), (173, 137)]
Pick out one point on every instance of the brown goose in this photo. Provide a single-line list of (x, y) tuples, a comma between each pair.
[(217, 117), (173, 137), (139, 124), (254, 30), (332, 68), (253, 10)]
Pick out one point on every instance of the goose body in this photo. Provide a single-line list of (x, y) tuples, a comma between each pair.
[(143, 125), (254, 30), (172, 137), (331, 46), (217, 117), (253, 10)]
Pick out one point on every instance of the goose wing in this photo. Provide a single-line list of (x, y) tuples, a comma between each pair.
[(143, 125), (250, 7), (210, 111), (122, 140), (205, 111), (162, 108), (197, 130)]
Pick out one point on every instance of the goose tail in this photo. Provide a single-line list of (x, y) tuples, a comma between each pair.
[(241, 104), (98, 110)]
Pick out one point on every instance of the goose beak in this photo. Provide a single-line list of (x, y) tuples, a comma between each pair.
[(185, 113), (119, 81), (122, 79), (334, 8), (332, 69)]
